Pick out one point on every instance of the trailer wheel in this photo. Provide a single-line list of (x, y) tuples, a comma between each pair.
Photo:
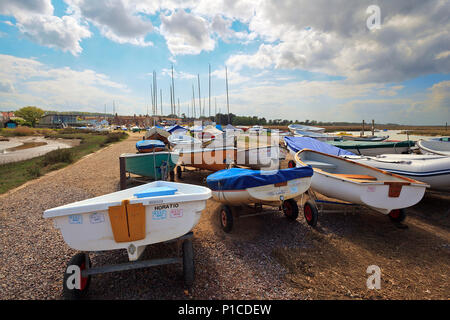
[(75, 294), (311, 213), (290, 209), (291, 164), (179, 174), (397, 215), (226, 218), (172, 175), (188, 263)]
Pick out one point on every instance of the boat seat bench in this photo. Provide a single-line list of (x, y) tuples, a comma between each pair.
[(356, 176), (320, 165)]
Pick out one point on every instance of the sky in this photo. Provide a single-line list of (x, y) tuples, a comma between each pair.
[(320, 60)]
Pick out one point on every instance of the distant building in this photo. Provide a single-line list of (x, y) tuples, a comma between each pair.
[(10, 124), (54, 120)]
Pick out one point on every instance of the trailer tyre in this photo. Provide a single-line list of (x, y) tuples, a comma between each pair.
[(179, 174), (75, 294), (188, 263), (397, 215), (290, 209), (172, 175), (226, 219), (311, 213)]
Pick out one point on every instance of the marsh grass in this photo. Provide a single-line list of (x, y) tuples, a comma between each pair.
[(14, 174)]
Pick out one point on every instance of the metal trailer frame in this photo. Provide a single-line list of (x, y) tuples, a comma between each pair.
[(348, 208), (138, 264), (257, 209)]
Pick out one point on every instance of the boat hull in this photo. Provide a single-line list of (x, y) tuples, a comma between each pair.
[(375, 196), (268, 194), (343, 179), (208, 159), (87, 225), (150, 164), (261, 157), (435, 147), (430, 169)]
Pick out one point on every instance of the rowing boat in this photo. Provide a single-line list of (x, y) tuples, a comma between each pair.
[(340, 178), (374, 148)]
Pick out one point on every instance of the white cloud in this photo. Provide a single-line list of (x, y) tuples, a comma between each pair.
[(117, 20), (35, 20), (332, 37), (186, 33), (29, 82)]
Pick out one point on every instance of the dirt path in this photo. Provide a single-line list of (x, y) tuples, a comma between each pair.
[(265, 257)]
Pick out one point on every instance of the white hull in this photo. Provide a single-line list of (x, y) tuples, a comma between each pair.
[(86, 225), (261, 157), (335, 177), (268, 194), (435, 147), (431, 169)]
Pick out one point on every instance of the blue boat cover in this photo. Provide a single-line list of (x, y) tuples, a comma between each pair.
[(218, 126), (176, 127), (299, 143), (148, 144), (240, 179), (156, 191)]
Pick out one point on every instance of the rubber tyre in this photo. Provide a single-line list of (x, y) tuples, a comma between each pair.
[(172, 175), (311, 213), (179, 172), (76, 294), (290, 209), (188, 263), (291, 164), (226, 218), (397, 215)]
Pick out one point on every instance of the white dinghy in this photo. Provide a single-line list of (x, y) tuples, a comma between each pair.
[(353, 182), (238, 187), (184, 141), (435, 147), (130, 219)]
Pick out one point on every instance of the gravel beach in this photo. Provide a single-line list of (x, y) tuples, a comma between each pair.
[(265, 257)]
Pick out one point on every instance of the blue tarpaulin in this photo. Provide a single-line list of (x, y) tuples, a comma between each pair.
[(240, 179), (149, 144), (298, 143), (176, 128)]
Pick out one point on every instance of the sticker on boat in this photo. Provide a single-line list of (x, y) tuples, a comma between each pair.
[(176, 213), (96, 218), (76, 219), (371, 189), (159, 215)]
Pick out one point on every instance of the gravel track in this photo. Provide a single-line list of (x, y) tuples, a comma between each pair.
[(246, 264)]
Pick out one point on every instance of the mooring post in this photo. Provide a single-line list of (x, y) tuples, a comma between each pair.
[(123, 174)]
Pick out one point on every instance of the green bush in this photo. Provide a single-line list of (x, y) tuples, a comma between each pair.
[(57, 156)]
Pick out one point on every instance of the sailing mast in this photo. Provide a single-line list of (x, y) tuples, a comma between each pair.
[(209, 113), (199, 99), (228, 103), (173, 93), (193, 101), (160, 101)]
